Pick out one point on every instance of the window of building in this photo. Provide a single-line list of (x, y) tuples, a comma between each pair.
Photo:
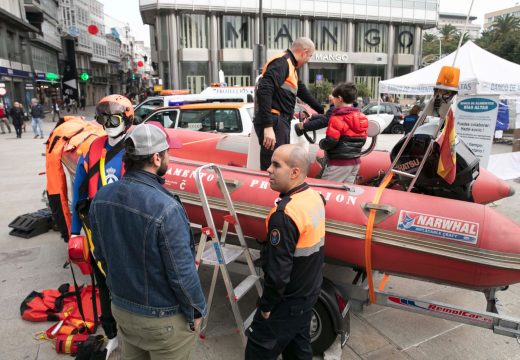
[(236, 32), (195, 76), (404, 39), (194, 31), (14, 54), (329, 35), (237, 73), (281, 32), (371, 37), (335, 75)]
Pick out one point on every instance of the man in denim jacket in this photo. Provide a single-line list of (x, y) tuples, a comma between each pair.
[(142, 235)]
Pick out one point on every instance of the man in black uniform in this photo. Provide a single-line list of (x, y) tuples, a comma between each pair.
[(292, 261), (276, 95)]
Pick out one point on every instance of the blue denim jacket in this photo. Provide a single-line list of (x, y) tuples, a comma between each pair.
[(142, 235)]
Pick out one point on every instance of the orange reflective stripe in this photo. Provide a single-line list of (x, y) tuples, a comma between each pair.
[(291, 81), (274, 111)]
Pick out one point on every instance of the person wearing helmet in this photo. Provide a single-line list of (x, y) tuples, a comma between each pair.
[(102, 165)]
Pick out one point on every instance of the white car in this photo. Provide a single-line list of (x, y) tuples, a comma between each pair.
[(229, 118)]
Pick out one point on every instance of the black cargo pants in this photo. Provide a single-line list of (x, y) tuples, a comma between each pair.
[(286, 332), (282, 131)]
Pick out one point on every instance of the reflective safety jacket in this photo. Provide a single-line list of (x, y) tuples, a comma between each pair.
[(113, 170), (292, 257), (278, 88)]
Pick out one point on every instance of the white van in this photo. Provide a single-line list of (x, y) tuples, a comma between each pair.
[(211, 94)]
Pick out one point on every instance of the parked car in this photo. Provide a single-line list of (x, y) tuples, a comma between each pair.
[(209, 95), (231, 118), (390, 114)]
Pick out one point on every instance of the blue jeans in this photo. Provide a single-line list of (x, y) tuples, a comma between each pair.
[(37, 126)]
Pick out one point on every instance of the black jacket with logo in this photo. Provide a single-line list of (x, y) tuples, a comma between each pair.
[(270, 94)]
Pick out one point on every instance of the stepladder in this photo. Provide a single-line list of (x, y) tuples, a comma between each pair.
[(438, 107), (214, 251)]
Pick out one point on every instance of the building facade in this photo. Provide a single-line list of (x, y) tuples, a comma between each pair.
[(489, 18), (16, 74), (458, 21), (362, 40), (80, 19), (45, 48)]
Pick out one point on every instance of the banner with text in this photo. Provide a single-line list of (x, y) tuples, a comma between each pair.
[(475, 118)]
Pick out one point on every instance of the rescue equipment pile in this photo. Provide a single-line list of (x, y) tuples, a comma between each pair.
[(76, 320)]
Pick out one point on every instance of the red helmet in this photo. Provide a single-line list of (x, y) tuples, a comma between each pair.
[(115, 105)]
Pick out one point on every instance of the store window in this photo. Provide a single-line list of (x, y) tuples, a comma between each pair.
[(281, 32), (236, 32), (371, 38), (195, 75), (336, 75), (193, 31), (404, 39), (329, 35), (237, 73)]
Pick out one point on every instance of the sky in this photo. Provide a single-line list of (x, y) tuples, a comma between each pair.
[(127, 11), (480, 7)]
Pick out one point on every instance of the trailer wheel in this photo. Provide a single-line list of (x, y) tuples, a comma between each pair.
[(321, 329)]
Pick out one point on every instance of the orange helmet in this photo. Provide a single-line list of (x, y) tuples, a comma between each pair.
[(115, 105)]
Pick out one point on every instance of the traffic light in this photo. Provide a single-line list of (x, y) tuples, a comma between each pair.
[(133, 76), (84, 76)]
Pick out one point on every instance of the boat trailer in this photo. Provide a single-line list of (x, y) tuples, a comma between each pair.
[(492, 318)]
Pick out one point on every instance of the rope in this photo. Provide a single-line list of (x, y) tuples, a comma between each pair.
[(368, 236), (463, 32)]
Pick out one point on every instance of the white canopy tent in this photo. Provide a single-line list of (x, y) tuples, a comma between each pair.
[(481, 72)]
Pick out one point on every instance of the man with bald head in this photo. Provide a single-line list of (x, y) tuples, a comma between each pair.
[(276, 94), (292, 261)]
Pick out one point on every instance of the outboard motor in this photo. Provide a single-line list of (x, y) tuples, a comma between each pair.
[(429, 182)]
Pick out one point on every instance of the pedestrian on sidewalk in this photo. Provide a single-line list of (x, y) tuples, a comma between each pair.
[(74, 105), (37, 115), (55, 111), (3, 119), (82, 102), (17, 116), (159, 292)]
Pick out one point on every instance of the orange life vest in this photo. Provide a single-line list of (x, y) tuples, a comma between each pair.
[(74, 134)]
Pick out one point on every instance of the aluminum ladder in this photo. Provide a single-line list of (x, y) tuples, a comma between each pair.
[(438, 106), (219, 254)]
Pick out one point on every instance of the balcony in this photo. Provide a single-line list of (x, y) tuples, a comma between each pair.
[(33, 6)]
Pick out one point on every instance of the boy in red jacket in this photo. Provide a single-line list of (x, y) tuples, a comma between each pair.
[(346, 135)]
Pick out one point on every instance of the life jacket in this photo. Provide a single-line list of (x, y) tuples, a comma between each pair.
[(306, 211), (47, 305), (61, 305), (75, 134), (94, 155)]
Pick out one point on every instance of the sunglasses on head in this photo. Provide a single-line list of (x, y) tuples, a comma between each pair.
[(110, 120)]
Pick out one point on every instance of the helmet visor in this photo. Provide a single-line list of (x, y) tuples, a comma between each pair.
[(109, 121), (110, 108)]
